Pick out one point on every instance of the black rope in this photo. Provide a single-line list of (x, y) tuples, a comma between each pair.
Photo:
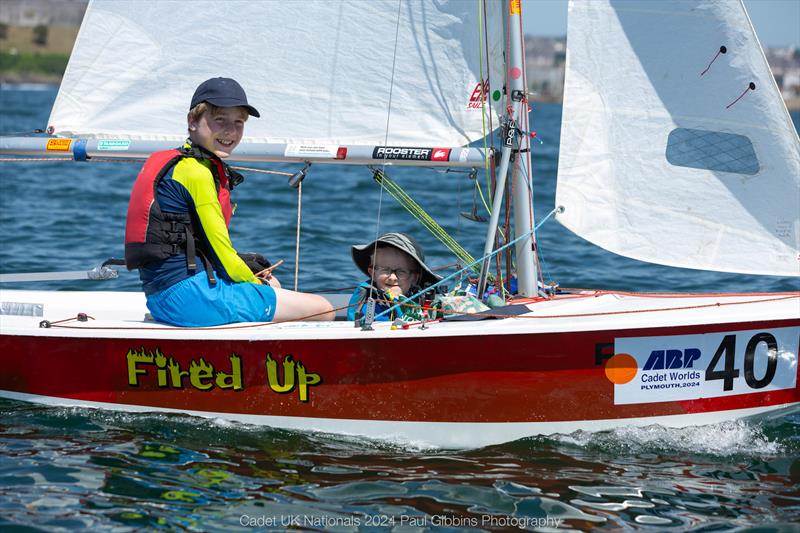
[(722, 50), (750, 87)]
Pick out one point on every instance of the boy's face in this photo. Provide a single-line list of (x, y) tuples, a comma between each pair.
[(394, 271), (219, 133)]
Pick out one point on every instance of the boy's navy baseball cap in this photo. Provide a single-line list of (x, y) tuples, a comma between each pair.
[(222, 92)]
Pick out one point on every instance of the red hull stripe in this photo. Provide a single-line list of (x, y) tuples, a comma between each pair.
[(491, 378)]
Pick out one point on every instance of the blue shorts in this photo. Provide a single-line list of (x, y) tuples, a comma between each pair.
[(194, 302)]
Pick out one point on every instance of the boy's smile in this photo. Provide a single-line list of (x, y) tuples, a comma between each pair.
[(219, 132)]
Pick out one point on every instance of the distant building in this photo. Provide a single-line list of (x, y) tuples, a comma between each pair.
[(545, 58), (785, 65), (31, 13)]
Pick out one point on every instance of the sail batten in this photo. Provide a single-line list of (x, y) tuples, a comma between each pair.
[(321, 72), (676, 147)]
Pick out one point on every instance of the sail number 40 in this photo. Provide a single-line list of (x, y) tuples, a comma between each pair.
[(708, 365), (727, 349)]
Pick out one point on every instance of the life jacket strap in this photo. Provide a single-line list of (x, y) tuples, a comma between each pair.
[(209, 269), (191, 265)]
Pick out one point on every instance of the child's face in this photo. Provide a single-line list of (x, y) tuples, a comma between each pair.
[(219, 133), (385, 266)]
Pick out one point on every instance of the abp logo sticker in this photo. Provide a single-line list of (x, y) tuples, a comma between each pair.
[(621, 368)]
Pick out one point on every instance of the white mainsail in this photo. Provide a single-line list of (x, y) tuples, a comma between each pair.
[(676, 147), (320, 72)]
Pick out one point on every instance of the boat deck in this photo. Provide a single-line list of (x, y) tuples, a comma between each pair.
[(124, 314)]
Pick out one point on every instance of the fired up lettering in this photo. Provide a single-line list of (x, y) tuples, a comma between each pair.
[(146, 366), (201, 375), (290, 370)]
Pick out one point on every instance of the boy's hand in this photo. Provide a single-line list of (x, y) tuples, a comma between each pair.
[(272, 281), (395, 291), (266, 277)]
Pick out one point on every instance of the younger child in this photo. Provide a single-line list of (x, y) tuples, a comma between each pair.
[(396, 269)]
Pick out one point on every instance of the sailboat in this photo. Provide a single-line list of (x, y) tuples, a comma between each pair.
[(676, 149)]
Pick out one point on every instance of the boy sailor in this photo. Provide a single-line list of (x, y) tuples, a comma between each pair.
[(177, 226)]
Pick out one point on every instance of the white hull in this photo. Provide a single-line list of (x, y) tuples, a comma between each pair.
[(436, 434)]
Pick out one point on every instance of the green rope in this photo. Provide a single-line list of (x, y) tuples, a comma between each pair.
[(417, 212), (484, 99)]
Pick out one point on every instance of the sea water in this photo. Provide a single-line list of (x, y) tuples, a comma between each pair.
[(80, 469)]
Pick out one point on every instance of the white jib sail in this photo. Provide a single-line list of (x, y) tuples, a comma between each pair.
[(320, 72), (676, 147)]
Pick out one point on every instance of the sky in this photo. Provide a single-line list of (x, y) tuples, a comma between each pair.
[(777, 22)]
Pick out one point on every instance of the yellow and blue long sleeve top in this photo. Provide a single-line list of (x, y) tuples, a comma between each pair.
[(189, 187)]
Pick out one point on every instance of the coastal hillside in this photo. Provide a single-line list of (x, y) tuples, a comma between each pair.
[(36, 38)]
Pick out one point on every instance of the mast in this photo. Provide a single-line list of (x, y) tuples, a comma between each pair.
[(522, 200)]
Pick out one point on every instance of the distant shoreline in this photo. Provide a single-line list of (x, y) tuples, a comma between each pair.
[(23, 78)]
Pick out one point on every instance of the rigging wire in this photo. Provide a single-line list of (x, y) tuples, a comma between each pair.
[(509, 184), (538, 255), (488, 79), (483, 47), (386, 135), (422, 216), (486, 88), (263, 171), (458, 208), (33, 159), (486, 92), (297, 237), (528, 154)]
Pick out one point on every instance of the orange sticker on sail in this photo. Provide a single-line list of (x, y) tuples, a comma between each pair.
[(514, 7), (58, 145)]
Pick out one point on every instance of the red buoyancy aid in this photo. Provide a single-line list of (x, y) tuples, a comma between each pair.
[(152, 235)]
